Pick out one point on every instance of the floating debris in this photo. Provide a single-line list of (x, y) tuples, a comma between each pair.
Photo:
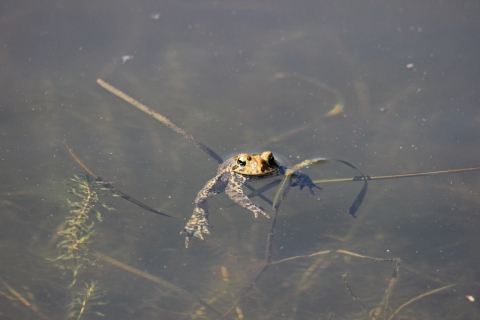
[(336, 110), (126, 58)]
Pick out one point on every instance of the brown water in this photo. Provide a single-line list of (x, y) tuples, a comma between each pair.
[(243, 76)]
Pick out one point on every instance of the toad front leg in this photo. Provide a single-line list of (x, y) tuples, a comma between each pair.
[(198, 222), (235, 192)]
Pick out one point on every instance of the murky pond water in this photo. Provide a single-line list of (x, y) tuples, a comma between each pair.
[(241, 76)]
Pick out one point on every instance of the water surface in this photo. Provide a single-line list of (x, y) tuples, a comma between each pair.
[(243, 76)]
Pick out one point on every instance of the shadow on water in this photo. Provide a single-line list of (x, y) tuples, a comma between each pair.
[(238, 76)]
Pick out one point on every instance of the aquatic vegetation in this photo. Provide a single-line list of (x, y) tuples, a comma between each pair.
[(77, 232), (78, 228), (85, 299)]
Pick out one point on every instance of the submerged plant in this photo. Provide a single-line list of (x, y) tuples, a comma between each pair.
[(84, 300), (78, 228)]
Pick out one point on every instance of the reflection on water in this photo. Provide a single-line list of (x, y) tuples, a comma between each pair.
[(241, 76)]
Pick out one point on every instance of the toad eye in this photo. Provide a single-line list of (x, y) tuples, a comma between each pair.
[(271, 160), (242, 161)]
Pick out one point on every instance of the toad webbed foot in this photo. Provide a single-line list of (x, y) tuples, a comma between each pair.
[(197, 225)]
